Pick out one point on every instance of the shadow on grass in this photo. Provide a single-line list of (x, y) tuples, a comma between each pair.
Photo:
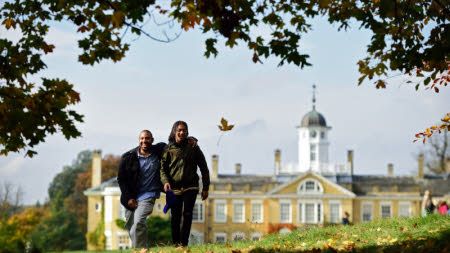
[(440, 244)]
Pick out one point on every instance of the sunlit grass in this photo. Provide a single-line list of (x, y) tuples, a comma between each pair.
[(429, 234)]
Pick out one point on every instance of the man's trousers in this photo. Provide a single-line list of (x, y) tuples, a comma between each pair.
[(137, 223)]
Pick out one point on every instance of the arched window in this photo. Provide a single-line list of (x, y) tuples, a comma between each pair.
[(310, 186)]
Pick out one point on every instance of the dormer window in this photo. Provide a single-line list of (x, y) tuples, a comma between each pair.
[(310, 186)]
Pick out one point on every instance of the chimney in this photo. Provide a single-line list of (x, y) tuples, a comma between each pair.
[(277, 161), (96, 179), (420, 161), (390, 170), (238, 168), (350, 161), (215, 167), (447, 165)]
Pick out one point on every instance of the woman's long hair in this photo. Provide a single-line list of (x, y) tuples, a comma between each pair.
[(174, 130)]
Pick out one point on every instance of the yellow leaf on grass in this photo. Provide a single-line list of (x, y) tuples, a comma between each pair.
[(393, 240)]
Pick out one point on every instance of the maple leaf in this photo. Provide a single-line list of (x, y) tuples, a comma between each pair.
[(9, 22), (224, 125)]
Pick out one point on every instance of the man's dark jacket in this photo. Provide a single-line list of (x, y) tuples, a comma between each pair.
[(130, 173)]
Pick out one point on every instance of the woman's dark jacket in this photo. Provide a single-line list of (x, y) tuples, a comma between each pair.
[(130, 173), (179, 164)]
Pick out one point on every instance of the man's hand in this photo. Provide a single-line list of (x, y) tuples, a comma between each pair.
[(204, 195), (132, 203), (192, 141), (167, 187)]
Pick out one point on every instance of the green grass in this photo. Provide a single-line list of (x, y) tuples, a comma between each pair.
[(428, 234)]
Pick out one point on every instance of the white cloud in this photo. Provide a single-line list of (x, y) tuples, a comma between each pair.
[(12, 166)]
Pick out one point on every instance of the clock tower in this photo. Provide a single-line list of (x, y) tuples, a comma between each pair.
[(313, 141)]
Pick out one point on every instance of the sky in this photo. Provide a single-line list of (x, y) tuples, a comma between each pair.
[(160, 83)]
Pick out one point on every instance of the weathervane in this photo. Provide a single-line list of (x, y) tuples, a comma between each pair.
[(314, 97)]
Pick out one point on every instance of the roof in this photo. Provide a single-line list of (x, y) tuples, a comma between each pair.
[(252, 179), (313, 118), (360, 184), (112, 182), (364, 184)]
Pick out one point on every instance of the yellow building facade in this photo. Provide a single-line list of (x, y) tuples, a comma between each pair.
[(248, 207)]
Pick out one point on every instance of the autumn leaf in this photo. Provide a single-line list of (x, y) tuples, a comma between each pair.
[(380, 84), (224, 125), (83, 29), (9, 22), (117, 18), (48, 48)]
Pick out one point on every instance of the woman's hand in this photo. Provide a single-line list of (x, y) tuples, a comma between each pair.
[(204, 195), (167, 187)]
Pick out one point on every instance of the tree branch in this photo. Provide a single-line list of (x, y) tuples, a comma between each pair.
[(444, 9)]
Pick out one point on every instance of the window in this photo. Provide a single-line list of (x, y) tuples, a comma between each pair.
[(310, 186), (220, 237), (98, 207), (220, 214), (197, 213), (257, 212), (404, 209), (335, 212), (322, 135), (238, 211), (310, 212), (238, 236), (285, 212), (366, 211), (312, 150), (385, 210), (300, 212), (123, 241), (319, 211), (313, 134)]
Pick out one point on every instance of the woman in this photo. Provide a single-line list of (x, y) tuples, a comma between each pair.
[(179, 174), (427, 204)]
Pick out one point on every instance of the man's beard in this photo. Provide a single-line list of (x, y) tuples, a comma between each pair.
[(145, 148)]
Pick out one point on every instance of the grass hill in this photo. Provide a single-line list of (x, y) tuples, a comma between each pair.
[(429, 234)]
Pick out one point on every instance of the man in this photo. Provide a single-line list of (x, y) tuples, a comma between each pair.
[(140, 184), (179, 174)]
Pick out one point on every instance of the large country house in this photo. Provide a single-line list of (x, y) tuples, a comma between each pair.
[(313, 192)]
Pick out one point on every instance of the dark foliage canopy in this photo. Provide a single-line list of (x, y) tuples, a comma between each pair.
[(408, 36)]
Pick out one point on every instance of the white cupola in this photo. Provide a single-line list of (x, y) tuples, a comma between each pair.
[(313, 141)]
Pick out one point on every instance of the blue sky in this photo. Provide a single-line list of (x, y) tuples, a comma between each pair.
[(158, 83)]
